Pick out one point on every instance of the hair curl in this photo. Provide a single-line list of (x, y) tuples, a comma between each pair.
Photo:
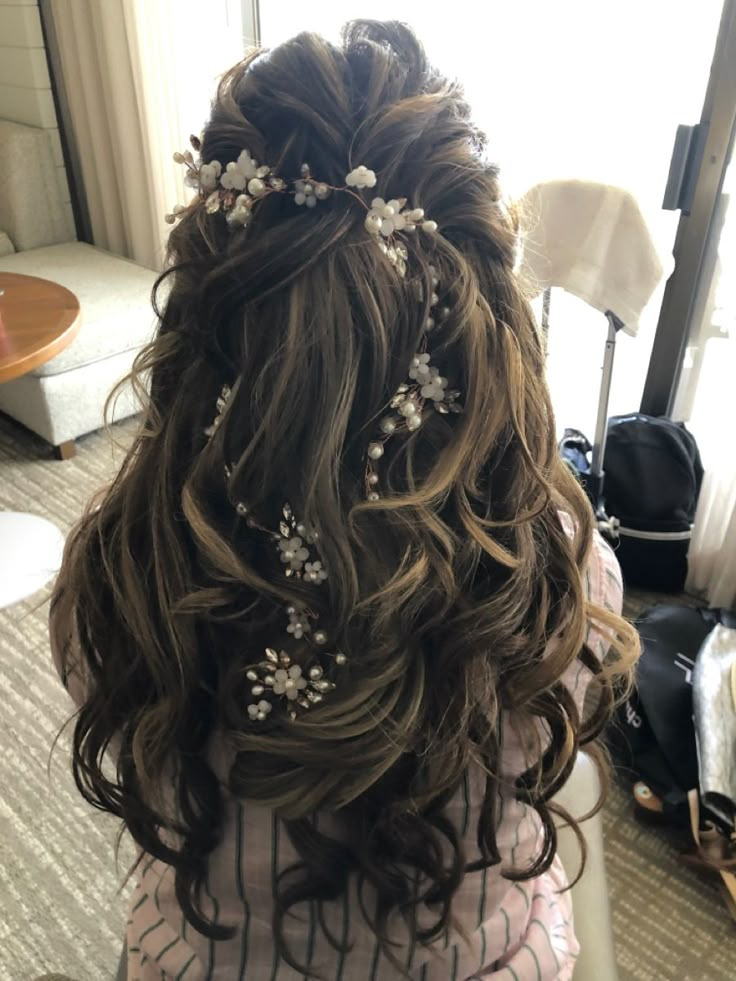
[(445, 593)]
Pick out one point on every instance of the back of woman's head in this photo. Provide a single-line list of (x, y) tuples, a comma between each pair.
[(446, 578)]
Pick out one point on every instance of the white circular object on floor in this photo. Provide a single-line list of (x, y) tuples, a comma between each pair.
[(30, 554)]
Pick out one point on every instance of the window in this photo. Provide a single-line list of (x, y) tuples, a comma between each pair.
[(567, 89)]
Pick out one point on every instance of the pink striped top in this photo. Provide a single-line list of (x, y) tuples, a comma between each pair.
[(513, 931)]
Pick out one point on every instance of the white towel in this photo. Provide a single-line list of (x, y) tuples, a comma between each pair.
[(592, 240)]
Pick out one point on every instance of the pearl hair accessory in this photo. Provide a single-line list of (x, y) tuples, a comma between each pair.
[(425, 386), (235, 189)]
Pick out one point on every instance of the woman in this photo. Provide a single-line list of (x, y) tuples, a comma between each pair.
[(338, 610)]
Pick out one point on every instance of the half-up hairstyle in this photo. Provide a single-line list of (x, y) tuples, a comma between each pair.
[(444, 594)]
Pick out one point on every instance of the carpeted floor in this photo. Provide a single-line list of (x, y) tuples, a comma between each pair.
[(59, 908)]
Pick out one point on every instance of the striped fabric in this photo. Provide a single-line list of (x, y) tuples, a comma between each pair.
[(516, 931), (513, 931)]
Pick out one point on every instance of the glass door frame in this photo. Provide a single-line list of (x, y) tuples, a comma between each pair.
[(676, 321), (251, 19)]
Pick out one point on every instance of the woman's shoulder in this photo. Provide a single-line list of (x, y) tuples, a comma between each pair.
[(602, 573), (603, 579)]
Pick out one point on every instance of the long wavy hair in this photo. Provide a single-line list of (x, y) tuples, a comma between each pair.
[(444, 593)]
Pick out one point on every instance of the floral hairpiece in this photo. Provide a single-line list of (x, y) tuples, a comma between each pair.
[(277, 679), (236, 188), (424, 386)]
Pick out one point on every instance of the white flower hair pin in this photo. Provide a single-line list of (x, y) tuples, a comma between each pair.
[(280, 679), (234, 190)]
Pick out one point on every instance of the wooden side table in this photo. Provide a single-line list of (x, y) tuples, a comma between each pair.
[(38, 319)]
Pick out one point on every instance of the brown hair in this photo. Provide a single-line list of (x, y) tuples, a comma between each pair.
[(444, 593)]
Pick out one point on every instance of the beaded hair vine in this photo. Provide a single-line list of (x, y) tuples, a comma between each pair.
[(277, 680), (425, 386), (234, 190)]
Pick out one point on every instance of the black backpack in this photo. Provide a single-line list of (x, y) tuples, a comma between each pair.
[(653, 476)]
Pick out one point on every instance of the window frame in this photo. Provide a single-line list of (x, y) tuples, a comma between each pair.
[(678, 313)]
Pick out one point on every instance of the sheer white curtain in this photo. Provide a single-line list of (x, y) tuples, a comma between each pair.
[(713, 548), (139, 76)]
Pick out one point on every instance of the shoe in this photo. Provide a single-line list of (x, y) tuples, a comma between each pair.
[(712, 852)]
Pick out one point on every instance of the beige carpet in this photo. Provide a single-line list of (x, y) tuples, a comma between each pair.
[(58, 905)]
